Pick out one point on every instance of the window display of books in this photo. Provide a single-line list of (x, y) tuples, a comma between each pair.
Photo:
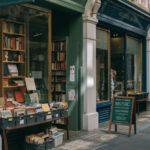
[(12, 57), (58, 66)]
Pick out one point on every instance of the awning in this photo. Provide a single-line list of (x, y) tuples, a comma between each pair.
[(124, 15), (13, 2), (63, 4)]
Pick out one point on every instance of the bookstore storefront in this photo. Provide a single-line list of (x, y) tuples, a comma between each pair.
[(41, 40), (120, 54)]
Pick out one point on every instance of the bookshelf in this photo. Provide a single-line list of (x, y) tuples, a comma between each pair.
[(58, 82), (12, 57)]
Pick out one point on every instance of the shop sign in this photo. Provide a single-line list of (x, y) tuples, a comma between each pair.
[(123, 112)]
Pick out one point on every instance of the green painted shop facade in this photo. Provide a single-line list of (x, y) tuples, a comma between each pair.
[(67, 22)]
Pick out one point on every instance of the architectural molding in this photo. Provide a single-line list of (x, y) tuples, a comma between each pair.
[(74, 6), (14, 2), (91, 8), (135, 7), (68, 4), (90, 116)]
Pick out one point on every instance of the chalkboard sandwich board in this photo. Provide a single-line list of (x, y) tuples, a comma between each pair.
[(123, 112)]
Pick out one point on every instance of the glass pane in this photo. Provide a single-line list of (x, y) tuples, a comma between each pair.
[(102, 74), (102, 68), (101, 39), (134, 64), (38, 51), (117, 65)]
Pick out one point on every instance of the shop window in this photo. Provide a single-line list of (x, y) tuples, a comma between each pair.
[(117, 64), (38, 50), (24, 32), (102, 65), (126, 64), (134, 65)]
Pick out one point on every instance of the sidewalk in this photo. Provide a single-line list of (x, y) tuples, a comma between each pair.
[(101, 139)]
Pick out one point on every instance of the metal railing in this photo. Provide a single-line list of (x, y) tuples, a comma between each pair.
[(144, 4)]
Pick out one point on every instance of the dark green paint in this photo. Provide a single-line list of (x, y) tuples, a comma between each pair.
[(71, 30), (82, 2), (65, 4), (122, 110), (74, 56), (13, 2), (68, 25)]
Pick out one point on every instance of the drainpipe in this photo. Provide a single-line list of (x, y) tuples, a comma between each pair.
[(90, 116)]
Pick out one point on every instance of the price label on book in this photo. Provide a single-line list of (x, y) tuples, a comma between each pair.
[(48, 117), (21, 121)]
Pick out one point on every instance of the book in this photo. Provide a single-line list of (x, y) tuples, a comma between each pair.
[(34, 97), (17, 43), (45, 107), (19, 96), (30, 110), (19, 82), (5, 27), (5, 82), (19, 112), (13, 69), (30, 84), (5, 114), (10, 96), (2, 102)]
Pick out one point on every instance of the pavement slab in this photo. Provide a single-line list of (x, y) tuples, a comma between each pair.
[(101, 139)]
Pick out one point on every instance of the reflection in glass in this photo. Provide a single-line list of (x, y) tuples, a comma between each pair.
[(117, 63), (102, 65), (102, 74), (134, 65)]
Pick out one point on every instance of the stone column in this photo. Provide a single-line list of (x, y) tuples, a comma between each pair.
[(148, 61), (90, 116)]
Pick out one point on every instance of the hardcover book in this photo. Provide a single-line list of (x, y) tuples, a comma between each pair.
[(19, 96), (13, 70)]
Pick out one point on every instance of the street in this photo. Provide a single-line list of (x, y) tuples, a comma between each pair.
[(102, 140)]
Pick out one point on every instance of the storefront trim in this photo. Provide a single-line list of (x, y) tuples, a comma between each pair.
[(134, 7), (13, 2), (68, 4), (121, 14), (115, 22), (63, 3)]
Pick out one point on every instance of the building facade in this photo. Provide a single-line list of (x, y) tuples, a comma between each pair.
[(121, 55), (53, 43), (107, 51)]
